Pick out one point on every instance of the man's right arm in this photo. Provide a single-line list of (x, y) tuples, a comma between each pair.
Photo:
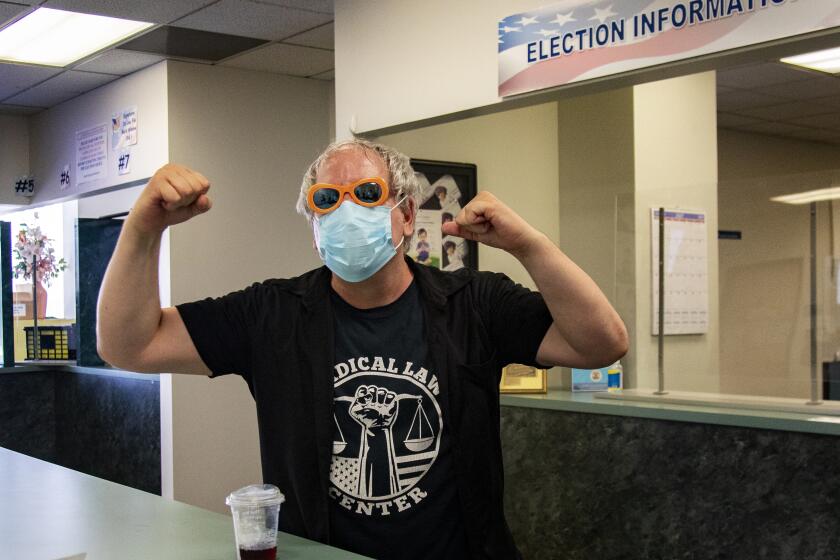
[(132, 331)]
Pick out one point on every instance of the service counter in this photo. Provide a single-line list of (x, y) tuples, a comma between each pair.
[(585, 477), (50, 512)]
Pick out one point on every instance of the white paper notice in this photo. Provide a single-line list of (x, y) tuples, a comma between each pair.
[(91, 154), (686, 272), (124, 128)]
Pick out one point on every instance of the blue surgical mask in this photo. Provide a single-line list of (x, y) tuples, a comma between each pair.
[(354, 241)]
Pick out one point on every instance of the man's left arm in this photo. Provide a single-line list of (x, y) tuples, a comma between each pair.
[(586, 331)]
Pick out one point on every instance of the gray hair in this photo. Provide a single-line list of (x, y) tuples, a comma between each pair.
[(402, 181)]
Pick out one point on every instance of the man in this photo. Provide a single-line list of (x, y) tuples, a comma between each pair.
[(375, 379)]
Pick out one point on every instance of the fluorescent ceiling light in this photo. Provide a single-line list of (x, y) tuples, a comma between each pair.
[(57, 38), (824, 61), (807, 197)]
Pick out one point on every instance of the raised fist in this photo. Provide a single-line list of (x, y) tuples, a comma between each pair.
[(374, 407), (173, 195)]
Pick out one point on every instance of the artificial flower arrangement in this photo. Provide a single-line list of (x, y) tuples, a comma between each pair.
[(32, 243)]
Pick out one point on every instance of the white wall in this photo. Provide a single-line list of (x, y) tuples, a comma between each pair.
[(252, 135), (675, 123), (14, 156), (53, 133), (398, 62), (112, 202)]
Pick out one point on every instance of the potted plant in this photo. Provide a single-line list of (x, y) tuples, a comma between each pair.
[(35, 259)]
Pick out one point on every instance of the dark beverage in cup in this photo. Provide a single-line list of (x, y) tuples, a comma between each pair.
[(255, 510), (264, 554)]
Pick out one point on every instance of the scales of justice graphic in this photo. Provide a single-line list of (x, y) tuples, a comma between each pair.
[(420, 435)]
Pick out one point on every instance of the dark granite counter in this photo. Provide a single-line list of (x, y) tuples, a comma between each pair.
[(592, 479), (103, 423), (585, 477)]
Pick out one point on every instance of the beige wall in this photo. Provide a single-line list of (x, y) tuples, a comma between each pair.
[(253, 135), (14, 155), (516, 156), (675, 123), (596, 164), (764, 277)]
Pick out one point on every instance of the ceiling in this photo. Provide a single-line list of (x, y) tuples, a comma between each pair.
[(293, 37), (777, 99)]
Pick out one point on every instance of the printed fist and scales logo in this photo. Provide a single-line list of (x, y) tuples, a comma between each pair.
[(387, 436)]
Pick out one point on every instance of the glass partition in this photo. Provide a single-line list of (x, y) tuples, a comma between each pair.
[(752, 288)]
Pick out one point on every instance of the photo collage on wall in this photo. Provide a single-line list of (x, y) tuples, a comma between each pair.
[(445, 189)]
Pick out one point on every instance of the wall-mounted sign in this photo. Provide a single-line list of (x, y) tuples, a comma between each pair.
[(91, 155), (25, 186), (124, 161), (580, 40), (64, 180), (124, 128)]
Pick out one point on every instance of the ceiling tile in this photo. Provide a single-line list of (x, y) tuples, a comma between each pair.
[(759, 75), (731, 100), (832, 101), (155, 11), (10, 11), (194, 44), (251, 19), (17, 77), (65, 86), (329, 75), (806, 89), (119, 62), (323, 6), (285, 59), (19, 110), (322, 37), (775, 128), (827, 136), (783, 111), (827, 120), (728, 120)]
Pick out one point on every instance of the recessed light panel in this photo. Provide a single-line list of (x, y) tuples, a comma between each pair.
[(58, 38), (824, 61), (807, 197)]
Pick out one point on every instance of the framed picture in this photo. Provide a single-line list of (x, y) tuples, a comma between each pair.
[(517, 378), (446, 188)]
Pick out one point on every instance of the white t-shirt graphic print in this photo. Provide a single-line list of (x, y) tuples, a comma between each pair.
[(392, 488), (388, 426)]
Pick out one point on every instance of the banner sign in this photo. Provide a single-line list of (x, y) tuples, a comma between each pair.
[(579, 40)]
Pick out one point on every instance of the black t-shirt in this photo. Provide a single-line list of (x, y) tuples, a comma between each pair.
[(392, 485), (273, 334)]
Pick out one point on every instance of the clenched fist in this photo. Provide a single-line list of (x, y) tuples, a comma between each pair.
[(174, 194), (488, 220), (374, 407)]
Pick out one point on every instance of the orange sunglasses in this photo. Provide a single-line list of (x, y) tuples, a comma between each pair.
[(324, 197)]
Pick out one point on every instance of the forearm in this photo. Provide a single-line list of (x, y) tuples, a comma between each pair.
[(582, 315), (128, 313)]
